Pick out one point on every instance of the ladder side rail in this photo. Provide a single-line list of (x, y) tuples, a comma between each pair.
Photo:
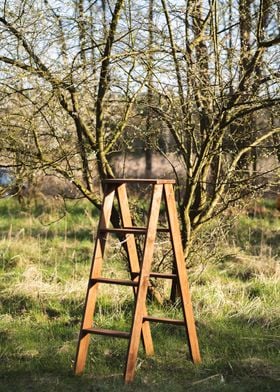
[(182, 272), (133, 261), (95, 271), (127, 222), (140, 305)]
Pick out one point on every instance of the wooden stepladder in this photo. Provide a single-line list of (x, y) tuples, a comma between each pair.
[(140, 272)]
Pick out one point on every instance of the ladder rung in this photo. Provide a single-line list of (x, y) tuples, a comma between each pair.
[(162, 275), (107, 332), (163, 230), (164, 320), (125, 230), (123, 282), (138, 180), (157, 275), (132, 230)]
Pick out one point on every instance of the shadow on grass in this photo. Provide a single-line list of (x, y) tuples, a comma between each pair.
[(236, 357)]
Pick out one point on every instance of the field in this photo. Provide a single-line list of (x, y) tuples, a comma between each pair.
[(44, 265)]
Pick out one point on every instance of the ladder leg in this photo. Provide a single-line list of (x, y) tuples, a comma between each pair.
[(182, 273), (91, 295), (134, 262), (143, 285)]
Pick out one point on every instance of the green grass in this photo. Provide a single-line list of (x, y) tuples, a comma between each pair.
[(43, 277)]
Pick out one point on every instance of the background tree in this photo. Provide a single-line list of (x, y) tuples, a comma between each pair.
[(78, 79), (64, 69), (219, 66)]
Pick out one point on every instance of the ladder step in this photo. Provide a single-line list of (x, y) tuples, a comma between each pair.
[(122, 282), (107, 332), (125, 230), (164, 320), (162, 275), (132, 230), (158, 275), (117, 181)]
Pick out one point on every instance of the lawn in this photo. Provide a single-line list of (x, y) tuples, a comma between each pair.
[(44, 266)]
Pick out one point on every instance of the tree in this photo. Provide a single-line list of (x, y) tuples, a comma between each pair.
[(74, 76), (63, 73), (220, 74)]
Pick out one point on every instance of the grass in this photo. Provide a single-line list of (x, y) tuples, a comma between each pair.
[(43, 277)]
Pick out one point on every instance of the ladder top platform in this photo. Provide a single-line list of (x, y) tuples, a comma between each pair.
[(138, 180)]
